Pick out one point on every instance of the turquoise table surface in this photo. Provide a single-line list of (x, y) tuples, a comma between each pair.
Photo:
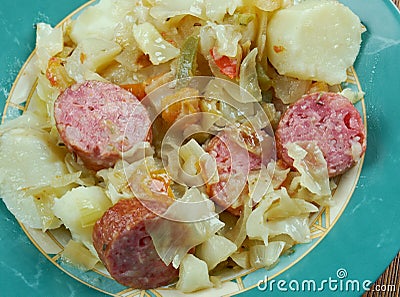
[(363, 242)]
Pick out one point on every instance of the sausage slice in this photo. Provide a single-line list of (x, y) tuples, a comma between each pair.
[(332, 122), (99, 120), (234, 163), (127, 250)]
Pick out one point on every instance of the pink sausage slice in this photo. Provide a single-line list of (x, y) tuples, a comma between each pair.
[(330, 120), (127, 250), (98, 121), (233, 164)]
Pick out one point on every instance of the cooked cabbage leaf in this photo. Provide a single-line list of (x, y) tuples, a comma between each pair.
[(79, 209), (215, 250), (248, 75), (310, 162), (153, 44), (256, 225), (49, 42), (265, 256), (187, 223), (296, 227), (224, 37), (29, 158), (193, 275)]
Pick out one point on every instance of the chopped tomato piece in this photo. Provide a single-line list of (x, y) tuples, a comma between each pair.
[(228, 66)]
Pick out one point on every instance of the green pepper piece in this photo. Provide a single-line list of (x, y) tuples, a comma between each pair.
[(187, 59), (263, 79)]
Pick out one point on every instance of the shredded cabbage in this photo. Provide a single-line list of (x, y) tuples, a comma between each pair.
[(74, 166), (248, 75), (164, 9), (216, 10), (278, 172), (49, 42), (242, 259), (356, 149), (296, 227), (197, 161), (289, 89), (353, 96), (193, 275), (262, 36), (224, 37), (190, 221), (266, 5), (215, 250), (29, 159), (256, 225), (95, 22), (117, 185), (288, 207), (204, 9), (265, 256), (259, 183), (237, 233), (310, 162), (296, 189), (152, 43), (47, 94), (79, 209), (148, 180), (279, 214), (78, 255), (90, 56)]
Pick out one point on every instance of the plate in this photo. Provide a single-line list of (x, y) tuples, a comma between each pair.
[(350, 257)]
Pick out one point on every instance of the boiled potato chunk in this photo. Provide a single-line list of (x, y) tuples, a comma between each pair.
[(315, 40)]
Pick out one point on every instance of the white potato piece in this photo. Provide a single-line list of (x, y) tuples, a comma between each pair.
[(316, 40), (215, 250), (193, 275)]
